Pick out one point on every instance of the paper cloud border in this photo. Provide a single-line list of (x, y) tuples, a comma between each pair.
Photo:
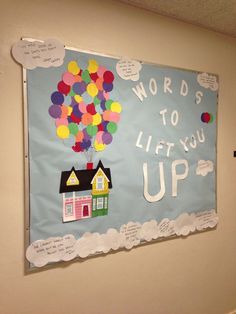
[(129, 236)]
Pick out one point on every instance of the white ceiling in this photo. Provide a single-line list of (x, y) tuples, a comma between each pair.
[(217, 15)]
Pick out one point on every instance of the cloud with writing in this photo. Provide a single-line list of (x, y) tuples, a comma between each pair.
[(208, 81), (128, 69), (204, 167), (32, 54)]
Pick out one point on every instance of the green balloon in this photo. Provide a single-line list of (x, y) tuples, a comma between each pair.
[(112, 127), (108, 104), (73, 127), (96, 101), (211, 118), (92, 129), (86, 77), (71, 93)]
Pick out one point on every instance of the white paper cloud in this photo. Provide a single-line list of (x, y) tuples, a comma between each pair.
[(128, 69), (208, 81), (149, 231), (49, 53), (204, 167), (53, 249), (66, 248)]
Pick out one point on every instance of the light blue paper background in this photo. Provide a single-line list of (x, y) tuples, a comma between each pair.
[(49, 155)]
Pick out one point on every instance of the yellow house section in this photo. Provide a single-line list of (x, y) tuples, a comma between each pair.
[(95, 191), (72, 180)]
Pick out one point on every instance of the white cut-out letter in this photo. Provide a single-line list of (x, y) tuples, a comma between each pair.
[(148, 143), (201, 140), (153, 86), (167, 83), (162, 112), (138, 140), (169, 145), (174, 117), (198, 97), (184, 144), (176, 177), (193, 142), (159, 146), (161, 193), (184, 88), (140, 91)]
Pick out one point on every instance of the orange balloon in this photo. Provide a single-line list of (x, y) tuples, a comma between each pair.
[(99, 83), (64, 111), (79, 137), (87, 118)]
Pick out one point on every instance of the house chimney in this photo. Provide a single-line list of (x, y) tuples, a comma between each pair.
[(89, 165)]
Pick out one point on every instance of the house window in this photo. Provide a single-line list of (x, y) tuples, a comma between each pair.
[(105, 202), (94, 204), (69, 210), (100, 183), (100, 203)]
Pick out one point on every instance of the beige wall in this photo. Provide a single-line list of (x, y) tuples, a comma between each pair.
[(195, 275)]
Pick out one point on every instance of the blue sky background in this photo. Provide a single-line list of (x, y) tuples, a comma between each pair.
[(49, 155)]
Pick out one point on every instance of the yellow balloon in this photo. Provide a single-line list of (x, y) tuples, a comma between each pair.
[(93, 66), (97, 119), (99, 147), (116, 107), (63, 131), (78, 98), (69, 110), (92, 89), (73, 67)]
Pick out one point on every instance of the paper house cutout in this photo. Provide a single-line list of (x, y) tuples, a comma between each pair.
[(76, 206)]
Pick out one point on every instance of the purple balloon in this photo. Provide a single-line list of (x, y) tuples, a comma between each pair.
[(100, 95), (104, 124), (57, 98), (102, 105), (86, 136), (77, 112), (85, 144), (73, 102), (55, 111), (79, 88), (108, 87), (106, 138)]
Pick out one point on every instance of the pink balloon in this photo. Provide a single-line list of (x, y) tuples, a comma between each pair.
[(59, 122), (114, 117), (68, 78), (99, 137), (82, 107), (101, 71), (106, 95)]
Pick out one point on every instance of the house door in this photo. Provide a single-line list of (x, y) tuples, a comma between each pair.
[(85, 210)]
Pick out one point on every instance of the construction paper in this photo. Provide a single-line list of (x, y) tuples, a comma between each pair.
[(115, 169), (49, 53)]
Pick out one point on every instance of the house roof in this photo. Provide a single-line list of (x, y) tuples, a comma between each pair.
[(85, 178)]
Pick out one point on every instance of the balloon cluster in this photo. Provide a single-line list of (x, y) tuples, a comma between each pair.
[(207, 117), (91, 117)]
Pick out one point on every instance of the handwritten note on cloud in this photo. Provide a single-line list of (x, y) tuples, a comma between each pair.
[(208, 81), (203, 167), (49, 53), (128, 69)]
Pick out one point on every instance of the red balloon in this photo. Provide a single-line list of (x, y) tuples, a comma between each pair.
[(94, 76), (63, 88), (108, 77), (91, 109), (74, 118)]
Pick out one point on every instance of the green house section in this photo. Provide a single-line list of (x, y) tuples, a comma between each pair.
[(99, 205)]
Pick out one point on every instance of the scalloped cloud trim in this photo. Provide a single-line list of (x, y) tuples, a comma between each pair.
[(55, 249)]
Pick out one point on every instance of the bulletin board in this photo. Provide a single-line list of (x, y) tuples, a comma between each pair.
[(119, 153)]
